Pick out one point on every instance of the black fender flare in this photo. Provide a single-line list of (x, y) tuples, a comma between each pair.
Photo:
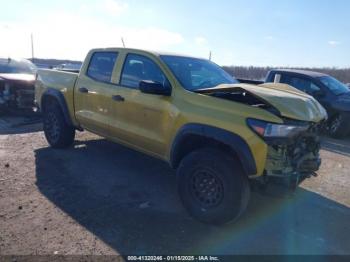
[(58, 96), (236, 143)]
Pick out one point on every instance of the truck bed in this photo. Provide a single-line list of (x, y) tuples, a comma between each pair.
[(57, 79)]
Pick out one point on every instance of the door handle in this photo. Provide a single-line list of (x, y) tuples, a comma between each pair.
[(118, 98), (83, 90)]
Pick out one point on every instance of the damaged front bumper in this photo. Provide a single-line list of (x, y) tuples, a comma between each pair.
[(292, 160)]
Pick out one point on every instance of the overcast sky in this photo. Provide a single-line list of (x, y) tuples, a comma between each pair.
[(238, 32)]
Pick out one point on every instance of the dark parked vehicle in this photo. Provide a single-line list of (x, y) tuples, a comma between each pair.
[(17, 78), (331, 93)]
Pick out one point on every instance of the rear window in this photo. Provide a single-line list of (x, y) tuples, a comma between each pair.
[(101, 66)]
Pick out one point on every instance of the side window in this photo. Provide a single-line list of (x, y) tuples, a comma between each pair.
[(273, 77), (101, 66), (137, 68), (314, 87), (304, 85), (270, 77)]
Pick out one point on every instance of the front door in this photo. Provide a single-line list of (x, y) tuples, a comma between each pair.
[(143, 120)]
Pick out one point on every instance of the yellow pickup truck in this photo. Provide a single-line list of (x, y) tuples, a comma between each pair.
[(219, 134)]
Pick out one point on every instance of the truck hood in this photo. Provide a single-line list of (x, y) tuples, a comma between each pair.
[(289, 101)]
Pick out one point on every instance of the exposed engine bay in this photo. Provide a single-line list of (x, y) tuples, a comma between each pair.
[(241, 96), (290, 159), (16, 94), (292, 156), (279, 99), (17, 77), (289, 164), (295, 155)]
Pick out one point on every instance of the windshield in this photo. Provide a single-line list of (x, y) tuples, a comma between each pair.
[(195, 73), (17, 66), (335, 86)]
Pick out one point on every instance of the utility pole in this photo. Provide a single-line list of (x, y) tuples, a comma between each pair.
[(123, 42), (210, 55), (31, 38)]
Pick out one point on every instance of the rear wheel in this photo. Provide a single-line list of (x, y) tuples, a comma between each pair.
[(57, 132), (213, 186)]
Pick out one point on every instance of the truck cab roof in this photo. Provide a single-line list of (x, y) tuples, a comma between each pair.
[(153, 52)]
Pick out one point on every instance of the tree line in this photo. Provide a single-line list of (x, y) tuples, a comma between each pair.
[(259, 73)]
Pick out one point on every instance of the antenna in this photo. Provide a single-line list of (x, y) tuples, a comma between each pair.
[(32, 42), (123, 42), (210, 55)]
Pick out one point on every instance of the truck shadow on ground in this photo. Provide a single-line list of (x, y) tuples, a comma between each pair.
[(129, 201)]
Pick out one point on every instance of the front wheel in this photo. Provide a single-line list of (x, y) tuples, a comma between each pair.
[(213, 186), (57, 132)]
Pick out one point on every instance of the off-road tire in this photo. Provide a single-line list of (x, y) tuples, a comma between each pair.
[(338, 126), (57, 132), (210, 170)]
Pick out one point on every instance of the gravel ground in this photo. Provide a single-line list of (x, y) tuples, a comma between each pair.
[(102, 198)]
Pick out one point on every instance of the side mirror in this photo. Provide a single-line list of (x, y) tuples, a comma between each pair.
[(155, 88)]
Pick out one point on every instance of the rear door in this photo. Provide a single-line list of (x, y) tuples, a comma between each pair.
[(93, 93)]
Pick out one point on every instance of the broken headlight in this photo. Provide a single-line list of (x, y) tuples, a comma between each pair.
[(272, 130)]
